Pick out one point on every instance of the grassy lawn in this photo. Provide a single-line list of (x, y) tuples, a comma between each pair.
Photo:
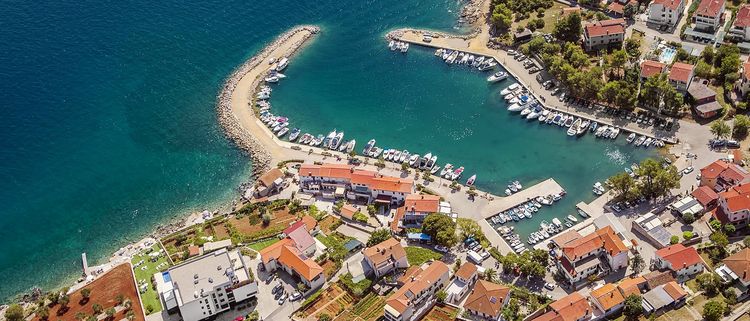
[(719, 95), (550, 18), (333, 239), (418, 255), (693, 285), (263, 244), (143, 275)]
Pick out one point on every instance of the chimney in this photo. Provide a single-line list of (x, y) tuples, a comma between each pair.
[(744, 274)]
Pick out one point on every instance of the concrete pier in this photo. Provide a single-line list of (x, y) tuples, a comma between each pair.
[(547, 187)]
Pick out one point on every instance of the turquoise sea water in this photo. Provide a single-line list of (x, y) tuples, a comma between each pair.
[(108, 127)]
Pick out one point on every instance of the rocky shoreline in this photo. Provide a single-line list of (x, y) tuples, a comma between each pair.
[(229, 122), (398, 33), (471, 12)]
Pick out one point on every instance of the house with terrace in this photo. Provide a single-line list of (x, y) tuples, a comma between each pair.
[(665, 14), (709, 15), (463, 281), (721, 175), (597, 253), (417, 294), (487, 300), (603, 34), (735, 270), (683, 261), (680, 76), (343, 181), (286, 256), (734, 206), (650, 68), (662, 298), (385, 257)]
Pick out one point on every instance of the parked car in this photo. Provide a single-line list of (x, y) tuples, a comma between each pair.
[(296, 296), (277, 288), (282, 299), (562, 97), (687, 170), (733, 144), (549, 286), (441, 248), (533, 70)]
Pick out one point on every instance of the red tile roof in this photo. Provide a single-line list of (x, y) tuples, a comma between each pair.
[(422, 203), (650, 68), (383, 251), (704, 195), (286, 253), (603, 238), (608, 296), (714, 169), (737, 198), (616, 7), (327, 170), (310, 222), (466, 271), (709, 8), (631, 286), (487, 298), (671, 4), (397, 218), (348, 211), (402, 298), (600, 28), (674, 290), (743, 17), (569, 308), (739, 263), (679, 256), (681, 72), (294, 227)]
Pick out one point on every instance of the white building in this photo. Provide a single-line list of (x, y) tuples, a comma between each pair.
[(683, 261), (665, 13), (463, 281), (599, 252), (343, 181), (741, 25), (602, 34), (708, 15), (206, 285), (385, 257), (416, 295)]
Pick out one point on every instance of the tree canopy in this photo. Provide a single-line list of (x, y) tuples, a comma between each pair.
[(441, 228), (568, 28), (378, 236), (714, 310)]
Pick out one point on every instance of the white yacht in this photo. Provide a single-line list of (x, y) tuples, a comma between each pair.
[(498, 76), (336, 141), (368, 147), (630, 138), (329, 138), (511, 89), (283, 62)]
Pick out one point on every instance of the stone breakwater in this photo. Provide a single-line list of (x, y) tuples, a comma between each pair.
[(399, 33), (229, 122)]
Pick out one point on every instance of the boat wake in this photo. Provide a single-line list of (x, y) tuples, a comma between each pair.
[(616, 156)]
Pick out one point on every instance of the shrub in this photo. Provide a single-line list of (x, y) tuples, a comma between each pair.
[(689, 218), (674, 239), (687, 235)]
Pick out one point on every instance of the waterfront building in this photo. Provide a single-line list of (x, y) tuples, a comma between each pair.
[(665, 13), (680, 76), (343, 181), (663, 297), (205, 286), (286, 256), (462, 282), (704, 99), (418, 206), (741, 26), (269, 183), (608, 299), (650, 68), (721, 175), (684, 262), (602, 34), (416, 295), (385, 257), (735, 270), (743, 84), (573, 307), (599, 252), (709, 15), (487, 300)]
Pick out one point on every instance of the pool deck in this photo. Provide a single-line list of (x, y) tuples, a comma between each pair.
[(516, 69)]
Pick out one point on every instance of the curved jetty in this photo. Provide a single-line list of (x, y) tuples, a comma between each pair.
[(234, 102)]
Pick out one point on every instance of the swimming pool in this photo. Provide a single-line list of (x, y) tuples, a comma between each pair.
[(667, 55)]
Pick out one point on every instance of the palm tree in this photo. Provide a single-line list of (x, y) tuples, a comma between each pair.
[(111, 313), (97, 308), (128, 304), (720, 129), (130, 315), (64, 300), (43, 312), (120, 298), (80, 316), (490, 274)]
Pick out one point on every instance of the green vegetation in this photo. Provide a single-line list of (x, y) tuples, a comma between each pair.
[(674, 239), (145, 272), (14, 313), (419, 255), (359, 217), (654, 180), (335, 245), (378, 236), (710, 283), (633, 308), (263, 244), (720, 129), (714, 310), (637, 263), (357, 289), (569, 29), (503, 11), (441, 228), (311, 298), (470, 228), (658, 93), (687, 235), (531, 263)]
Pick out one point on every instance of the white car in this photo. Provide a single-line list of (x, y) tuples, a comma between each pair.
[(549, 286), (441, 248), (295, 296), (562, 97), (687, 170)]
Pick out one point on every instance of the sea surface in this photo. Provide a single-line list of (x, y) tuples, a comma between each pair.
[(107, 126)]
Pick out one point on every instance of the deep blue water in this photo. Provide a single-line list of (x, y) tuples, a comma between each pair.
[(108, 126)]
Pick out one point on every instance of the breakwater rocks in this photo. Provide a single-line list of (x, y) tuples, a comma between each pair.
[(229, 122), (471, 11), (398, 33)]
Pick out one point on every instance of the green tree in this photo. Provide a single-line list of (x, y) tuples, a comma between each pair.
[(470, 228), (618, 60), (378, 236), (746, 241), (729, 228), (720, 129), (657, 180), (111, 313), (14, 313), (703, 70), (709, 283), (86, 293), (490, 274), (568, 29), (130, 315), (97, 308), (740, 126), (80, 316), (441, 296), (64, 301), (441, 228), (689, 218), (624, 186), (637, 263), (266, 218), (633, 308), (687, 235), (502, 17), (714, 310), (457, 264), (324, 317), (633, 47), (720, 239), (629, 10), (91, 318), (674, 239), (42, 312)]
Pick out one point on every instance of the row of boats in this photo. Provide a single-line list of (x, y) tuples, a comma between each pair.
[(480, 62), (519, 100), (426, 162), (274, 73), (401, 46)]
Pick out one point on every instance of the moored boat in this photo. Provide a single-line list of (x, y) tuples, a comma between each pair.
[(471, 180)]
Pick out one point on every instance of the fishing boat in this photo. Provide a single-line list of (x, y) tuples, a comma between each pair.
[(487, 65), (630, 138), (551, 118), (447, 170), (294, 134), (600, 131), (572, 218), (464, 59), (413, 160), (368, 147), (452, 57), (498, 76), (282, 132), (279, 127), (544, 115), (336, 141), (396, 156), (283, 62), (457, 173), (470, 181), (510, 89), (517, 185), (446, 54), (478, 61)]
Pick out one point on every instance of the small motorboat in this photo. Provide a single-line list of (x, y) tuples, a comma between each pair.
[(630, 138), (471, 180), (572, 218), (294, 134), (511, 89)]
